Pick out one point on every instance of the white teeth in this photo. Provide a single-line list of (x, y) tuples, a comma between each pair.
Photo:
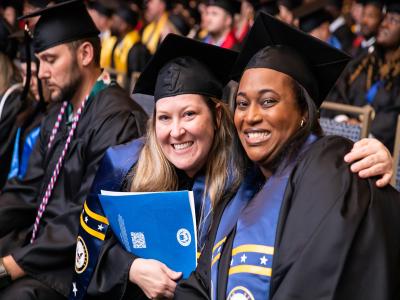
[(182, 146), (257, 135)]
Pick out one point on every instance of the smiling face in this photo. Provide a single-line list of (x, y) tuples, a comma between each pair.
[(266, 114), (185, 131)]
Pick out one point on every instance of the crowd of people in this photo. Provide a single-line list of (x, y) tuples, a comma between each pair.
[(234, 89)]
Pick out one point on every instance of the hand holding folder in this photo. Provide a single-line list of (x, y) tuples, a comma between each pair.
[(159, 226)]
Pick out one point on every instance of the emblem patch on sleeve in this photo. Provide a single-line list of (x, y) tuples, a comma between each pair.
[(81, 256)]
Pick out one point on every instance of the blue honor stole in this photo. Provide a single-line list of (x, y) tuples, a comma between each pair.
[(19, 163), (256, 220), (110, 176), (373, 90), (203, 211)]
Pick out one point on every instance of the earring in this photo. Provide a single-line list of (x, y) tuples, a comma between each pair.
[(302, 123)]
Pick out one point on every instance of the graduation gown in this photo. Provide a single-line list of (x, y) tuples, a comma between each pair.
[(345, 36), (109, 118), (337, 236), (26, 137), (386, 102), (7, 134)]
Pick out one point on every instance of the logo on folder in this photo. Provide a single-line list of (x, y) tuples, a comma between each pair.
[(183, 236)]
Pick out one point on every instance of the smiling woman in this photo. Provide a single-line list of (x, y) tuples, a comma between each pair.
[(187, 147), (267, 116)]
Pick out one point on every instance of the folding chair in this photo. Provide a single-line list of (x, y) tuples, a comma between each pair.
[(352, 132), (396, 157)]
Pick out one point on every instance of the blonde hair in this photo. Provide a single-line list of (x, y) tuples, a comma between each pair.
[(153, 172)]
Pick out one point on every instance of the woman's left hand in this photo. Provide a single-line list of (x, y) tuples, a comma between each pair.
[(369, 157)]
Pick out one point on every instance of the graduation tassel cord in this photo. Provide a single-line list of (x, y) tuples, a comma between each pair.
[(60, 161), (57, 124)]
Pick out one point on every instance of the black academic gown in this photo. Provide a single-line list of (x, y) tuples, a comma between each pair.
[(110, 118), (386, 103), (7, 134), (337, 236), (345, 36), (138, 56)]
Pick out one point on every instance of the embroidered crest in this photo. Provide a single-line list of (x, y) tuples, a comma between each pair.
[(81, 256), (240, 293)]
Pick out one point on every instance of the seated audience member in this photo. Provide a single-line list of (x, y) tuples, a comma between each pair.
[(39, 214), (355, 13), (32, 111), (220, 23), (315, 20), (102, 18), (374, 79), (10, 10), (245, 21), (338, 27), (304, 226), (128, 54), (371, 18), (10, 104), (286, 8), (156, 13)]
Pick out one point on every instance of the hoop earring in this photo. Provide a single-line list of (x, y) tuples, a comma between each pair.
[(302, 123)]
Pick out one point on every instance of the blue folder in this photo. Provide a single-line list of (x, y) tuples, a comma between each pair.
[(159, 226)]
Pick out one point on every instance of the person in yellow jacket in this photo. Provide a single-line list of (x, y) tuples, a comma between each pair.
[(124, 51), (157, 15)]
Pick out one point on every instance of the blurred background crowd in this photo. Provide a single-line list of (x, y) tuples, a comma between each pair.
[(131, 31)]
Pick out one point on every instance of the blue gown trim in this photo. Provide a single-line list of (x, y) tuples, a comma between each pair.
[(111, 175), (19, 163)]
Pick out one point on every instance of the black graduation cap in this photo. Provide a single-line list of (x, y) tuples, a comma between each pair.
[(62, 23), (312, 15), (273, 44), (100, 8), (185, 66), (231, 6)]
